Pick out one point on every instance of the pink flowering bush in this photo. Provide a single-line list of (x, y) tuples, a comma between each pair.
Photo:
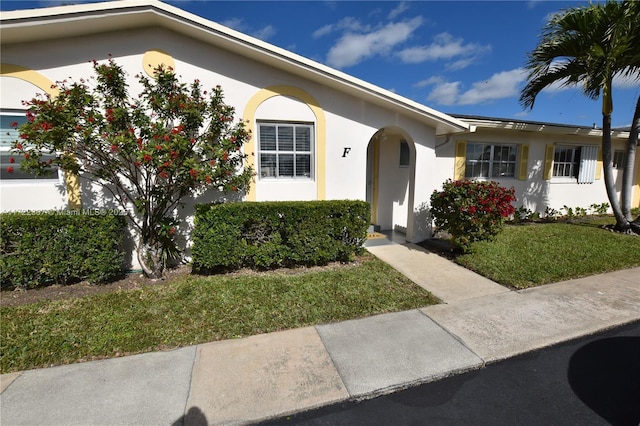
[(471, 210), (149, 152)]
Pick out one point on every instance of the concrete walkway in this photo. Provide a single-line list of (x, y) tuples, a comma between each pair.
[(246, 380)]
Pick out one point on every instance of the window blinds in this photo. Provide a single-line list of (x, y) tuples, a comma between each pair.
[(588, 163)]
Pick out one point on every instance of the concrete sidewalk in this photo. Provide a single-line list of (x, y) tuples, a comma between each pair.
[(247, 380)]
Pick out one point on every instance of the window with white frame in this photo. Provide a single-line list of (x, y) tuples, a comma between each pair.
[(566, 161), (575, 162), (486, 160), (9, 162), (285, 150)]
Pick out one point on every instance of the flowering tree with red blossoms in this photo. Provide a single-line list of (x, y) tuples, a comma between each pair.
[(149, 152), (471, 210)]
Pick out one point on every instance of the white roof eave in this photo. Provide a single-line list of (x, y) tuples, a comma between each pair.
[(47, 23), (548, 128)]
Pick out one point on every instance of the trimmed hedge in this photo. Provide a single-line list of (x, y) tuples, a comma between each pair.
[(267, 235), (58, 247)]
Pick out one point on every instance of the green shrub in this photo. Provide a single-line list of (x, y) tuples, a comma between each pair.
[(273, 234), (599, 209), (57, 247), (471, 210)]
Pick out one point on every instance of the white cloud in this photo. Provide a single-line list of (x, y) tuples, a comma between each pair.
[(398, 10), (445, 93), (353, 48), (505, 84), (264, 33), (502, 85), (345, 24), (322, 31), (435, 80), (444, 46)]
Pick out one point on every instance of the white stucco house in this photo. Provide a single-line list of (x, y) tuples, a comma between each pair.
[(363, 142), (549, 165)]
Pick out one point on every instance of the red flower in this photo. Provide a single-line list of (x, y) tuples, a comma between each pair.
[(147, 158), (14, 124), (158, 147), (212, 163), (12, 160), (193, 173), (10, 169), (207, 178), (26, 155), (172, 231), (166, 137), (114, 148), (234, 188), (225, 156), (164, 175)]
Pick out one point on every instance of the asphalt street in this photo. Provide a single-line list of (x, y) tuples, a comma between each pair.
[(590, 381)]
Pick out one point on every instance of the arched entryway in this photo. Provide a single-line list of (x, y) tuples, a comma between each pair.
[(390, 180)]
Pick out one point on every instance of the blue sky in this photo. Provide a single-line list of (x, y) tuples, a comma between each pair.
[(461, 57)]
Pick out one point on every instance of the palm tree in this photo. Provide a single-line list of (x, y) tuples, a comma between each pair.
[(589, 46), (633, 28)]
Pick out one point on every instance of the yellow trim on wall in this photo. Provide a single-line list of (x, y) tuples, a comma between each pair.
[(376, 174), (74, 199), (548, 162), (321, 128), (598, 175), (635, 201), (154, 58), (30, 76), (460, 160), (523, 162)]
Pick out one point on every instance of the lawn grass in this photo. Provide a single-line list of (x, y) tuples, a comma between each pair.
[(197, 309), (532, 254)]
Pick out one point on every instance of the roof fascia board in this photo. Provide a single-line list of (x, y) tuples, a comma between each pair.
[(548, 128)]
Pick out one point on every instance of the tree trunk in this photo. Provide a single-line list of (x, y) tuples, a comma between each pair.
[(622, 223), (628, 174), (150, 259)]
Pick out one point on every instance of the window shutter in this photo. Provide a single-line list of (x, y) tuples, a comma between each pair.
[(523, 162), (599, 165), (548, 162), (588, 163), (460, 161)]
